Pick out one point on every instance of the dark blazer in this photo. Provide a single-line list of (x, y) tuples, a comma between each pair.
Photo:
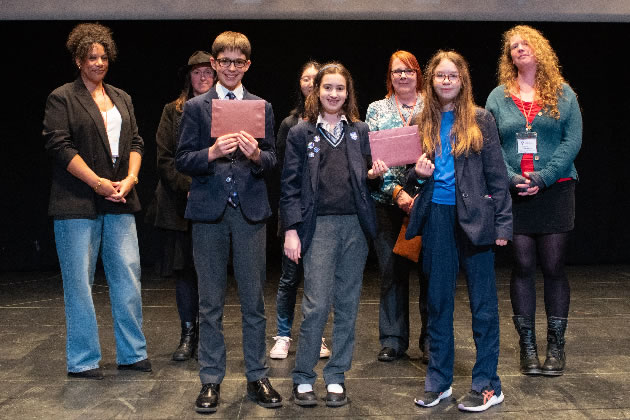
[(73, 125), (482, 197), (209, 189), (300, 180), (173, 186)]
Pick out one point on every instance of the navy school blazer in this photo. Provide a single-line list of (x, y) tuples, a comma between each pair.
[(482, 196), (210, 186), (300, 180)]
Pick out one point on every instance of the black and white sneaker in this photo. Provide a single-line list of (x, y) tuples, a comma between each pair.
[(480, 401), (433, 398)]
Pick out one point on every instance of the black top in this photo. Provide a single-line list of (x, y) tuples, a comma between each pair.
[(335, 188)]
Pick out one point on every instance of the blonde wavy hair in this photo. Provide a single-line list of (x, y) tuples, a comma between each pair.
[(549, 80), (465, 134)]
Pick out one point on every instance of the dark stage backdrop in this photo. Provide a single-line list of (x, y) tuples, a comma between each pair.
[(35, 61)]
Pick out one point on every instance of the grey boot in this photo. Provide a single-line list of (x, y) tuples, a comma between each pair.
[(554, 364), (526, 328)]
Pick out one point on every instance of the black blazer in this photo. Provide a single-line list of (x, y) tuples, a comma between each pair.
[(300, 180), (73, 125), (209, 189), (482, 196)]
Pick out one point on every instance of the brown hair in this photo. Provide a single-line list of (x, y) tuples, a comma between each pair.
[(85, 35), (229, 40), (408, 60), (548, 80), (313, 105), (187, 90), (465, 134)]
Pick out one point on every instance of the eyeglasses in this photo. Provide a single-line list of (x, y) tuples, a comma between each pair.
[(440, 77), (399, 73), (225, 63), (208, 74)]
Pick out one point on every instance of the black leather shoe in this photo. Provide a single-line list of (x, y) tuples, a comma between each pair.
[(305, 399), (208, 398), (263, 394), (187, 343), (335, 399), (141, 366), (88, 374), (388, 354)]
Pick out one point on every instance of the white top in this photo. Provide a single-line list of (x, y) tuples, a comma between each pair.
[(113, 124)]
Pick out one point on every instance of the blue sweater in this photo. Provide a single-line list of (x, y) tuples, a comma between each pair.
[(559, 140)]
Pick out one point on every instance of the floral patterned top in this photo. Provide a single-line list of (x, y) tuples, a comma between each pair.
[(382, 115)]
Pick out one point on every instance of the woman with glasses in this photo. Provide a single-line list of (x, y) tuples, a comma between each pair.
[(463, 210), (394, 200), (540, 126), (290, 278), (170, 203)]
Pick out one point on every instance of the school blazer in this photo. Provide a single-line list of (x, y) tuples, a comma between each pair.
[(211, 180), (73, 125), (300, 180), (482, 196)]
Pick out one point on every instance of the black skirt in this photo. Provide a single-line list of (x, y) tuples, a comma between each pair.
[(552, 210)]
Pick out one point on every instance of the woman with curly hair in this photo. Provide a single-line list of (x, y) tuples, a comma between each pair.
[(462, 211), (92, 138), (540, 126)]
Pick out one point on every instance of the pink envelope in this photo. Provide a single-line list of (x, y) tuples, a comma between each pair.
[(233, 116), (396, 146)]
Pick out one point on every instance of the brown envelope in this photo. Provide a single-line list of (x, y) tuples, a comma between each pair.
[(233, 116), (396, 146)]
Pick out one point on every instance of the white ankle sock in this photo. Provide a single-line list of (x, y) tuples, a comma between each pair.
[(336, 388), (305, 388)]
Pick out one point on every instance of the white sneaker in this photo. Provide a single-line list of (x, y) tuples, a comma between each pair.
[(280, 350), (323, 350)]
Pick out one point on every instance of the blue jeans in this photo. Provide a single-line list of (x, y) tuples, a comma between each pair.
[(333, 274), (211, 250), (78, 244), (444, 246), (287, 292)]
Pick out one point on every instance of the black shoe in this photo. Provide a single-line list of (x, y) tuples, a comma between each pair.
[(141, 366), (336, 399), (526, 328), (556, 358), (305, 399), (88, 374), (389, 354), (263, 394), (187, 342), (208, 398)]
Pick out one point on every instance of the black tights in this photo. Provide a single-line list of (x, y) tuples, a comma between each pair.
[(552, 249)]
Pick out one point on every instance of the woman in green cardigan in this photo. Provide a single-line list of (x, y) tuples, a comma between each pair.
[(540, 126)]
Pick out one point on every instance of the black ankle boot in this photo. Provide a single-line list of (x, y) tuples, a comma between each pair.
[(554, 364), (525, 326), (187, 343)]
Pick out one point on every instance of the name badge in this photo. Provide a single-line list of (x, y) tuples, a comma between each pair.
[(526, 142)]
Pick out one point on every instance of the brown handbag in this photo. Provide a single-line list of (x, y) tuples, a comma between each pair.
[(409, 249)]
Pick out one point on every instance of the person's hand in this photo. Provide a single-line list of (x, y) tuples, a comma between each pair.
[(223, 146), (501, 242), (292, 245), (106, 187), (424, 166), (249, 146), (378, 169), (404, 201), (122, 188)]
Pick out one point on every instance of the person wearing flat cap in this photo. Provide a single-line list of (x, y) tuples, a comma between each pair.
[(169, 204)]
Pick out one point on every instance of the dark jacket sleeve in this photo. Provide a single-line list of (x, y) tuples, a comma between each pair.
[(291, 181), (58, 140), (191, 157), (166, 140)]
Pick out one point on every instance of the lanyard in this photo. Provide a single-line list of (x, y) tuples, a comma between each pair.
[(405, 121), (528, 125)]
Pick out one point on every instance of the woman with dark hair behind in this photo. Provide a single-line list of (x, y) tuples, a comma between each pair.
[(394, 200), (291, 271), (92, 138), (462, 211), (540, 125), (170, 204)]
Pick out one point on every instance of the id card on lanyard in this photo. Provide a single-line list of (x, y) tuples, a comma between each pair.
[(526, 142)]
